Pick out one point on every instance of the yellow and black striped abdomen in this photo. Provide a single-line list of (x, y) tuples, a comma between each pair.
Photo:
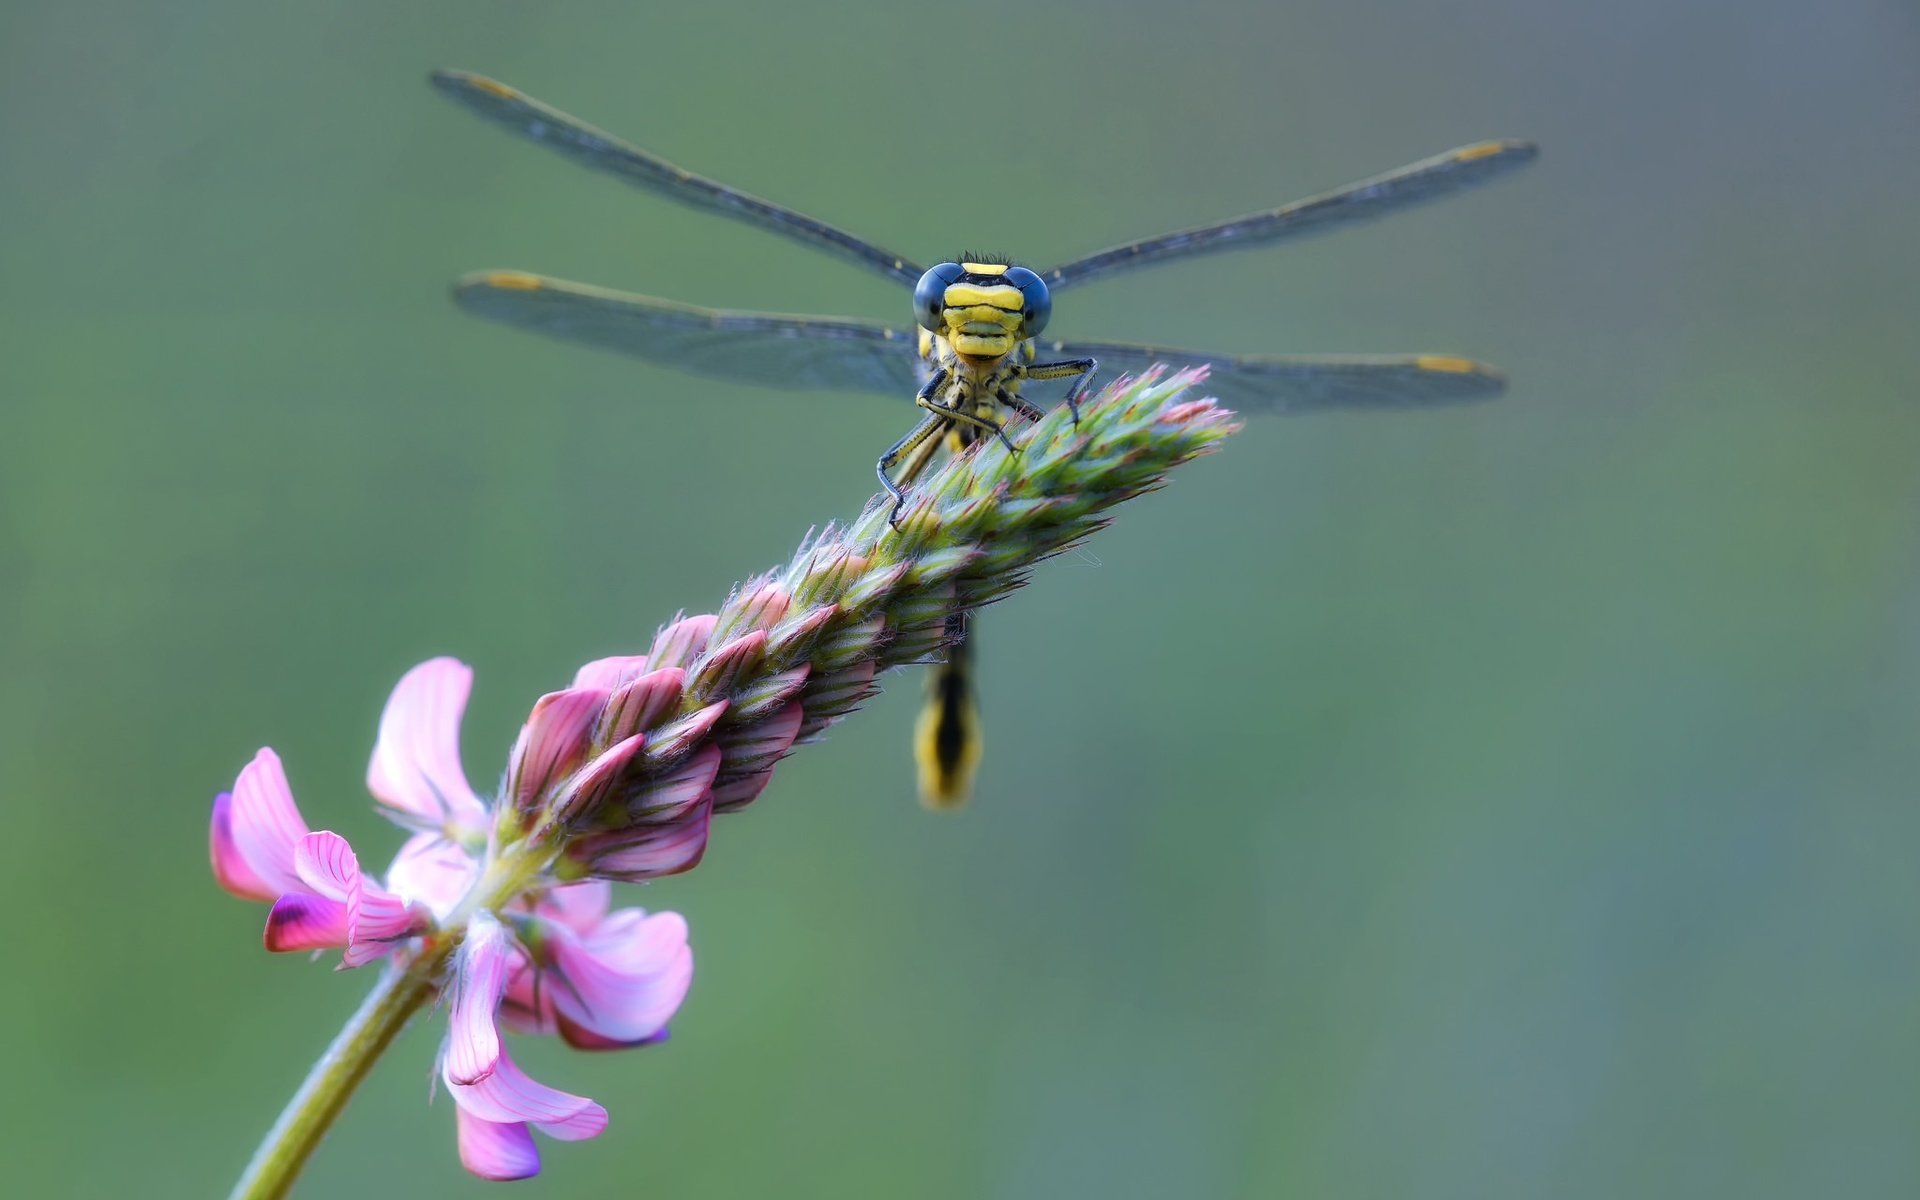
[(946, 739)]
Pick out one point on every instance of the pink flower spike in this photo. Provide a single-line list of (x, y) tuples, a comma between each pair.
[(416, 759), (552, 742), (494, 1150), (473, 1043), (254, 832), (375, 917), (610, 673)]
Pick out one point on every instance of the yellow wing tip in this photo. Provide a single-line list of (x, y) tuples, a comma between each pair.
[(506, 281), (479, 83), (1496, 148), (1450, 364)]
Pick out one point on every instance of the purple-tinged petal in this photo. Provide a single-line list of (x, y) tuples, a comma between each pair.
[(758, 746), (639, 704), (298, 921), (230, 869), (681, 642), (671, 796), (718, 672), (554, 740), (416, 759), (487, 958), (646, 852), (376, 918), (265, 824), (495, 1150), (582, 795), (610, 673), (433, 871), (506, 1095), (675, 738), (625, 982), (737, 793), (761, 698), (831, 696)]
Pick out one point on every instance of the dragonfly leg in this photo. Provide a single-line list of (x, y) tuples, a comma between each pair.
[(1013, 401), (917, 439), (1082, 367), (963, 417)]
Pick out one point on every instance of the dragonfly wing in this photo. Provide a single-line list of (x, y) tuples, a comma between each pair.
[(763, 348), (1306, 383), (602, 151), (1429, 179)]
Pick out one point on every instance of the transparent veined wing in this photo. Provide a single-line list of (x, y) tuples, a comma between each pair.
[(1252, 383), (771, 349), (602, 151), (1428, 179)]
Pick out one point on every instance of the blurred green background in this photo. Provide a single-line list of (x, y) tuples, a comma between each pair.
[(1507, 802)]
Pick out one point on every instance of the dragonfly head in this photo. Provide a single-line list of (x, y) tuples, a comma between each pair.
[(983, 310)]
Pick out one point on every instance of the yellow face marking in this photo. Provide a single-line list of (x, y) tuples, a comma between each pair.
[(984, 268), (1477, 150), (1447, 363), (515, 281), (1002, 296)]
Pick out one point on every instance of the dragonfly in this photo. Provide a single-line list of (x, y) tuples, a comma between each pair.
[(976, 336)]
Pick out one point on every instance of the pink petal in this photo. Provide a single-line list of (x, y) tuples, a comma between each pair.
[(679, 643), (672, 795), (762, 744), (264, 823), (376, 918), (473, 1044), (499, 1151), (552, 742), (647, 852), (230, 869), (579, 906), (416, 760), (506, 1095), (640, 704), (625, 983), (675, 738), (586, 789), (298, 921), (433, 871), (610, 673), (718, 672), (762, 608), (737, 793)]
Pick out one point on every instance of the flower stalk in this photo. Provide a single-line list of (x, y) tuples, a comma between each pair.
[(503, 905)]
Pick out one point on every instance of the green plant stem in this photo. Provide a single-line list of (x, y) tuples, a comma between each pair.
[(402, 989)]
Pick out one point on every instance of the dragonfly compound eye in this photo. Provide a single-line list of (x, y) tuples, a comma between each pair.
[(930, 294), (1039, 301)]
